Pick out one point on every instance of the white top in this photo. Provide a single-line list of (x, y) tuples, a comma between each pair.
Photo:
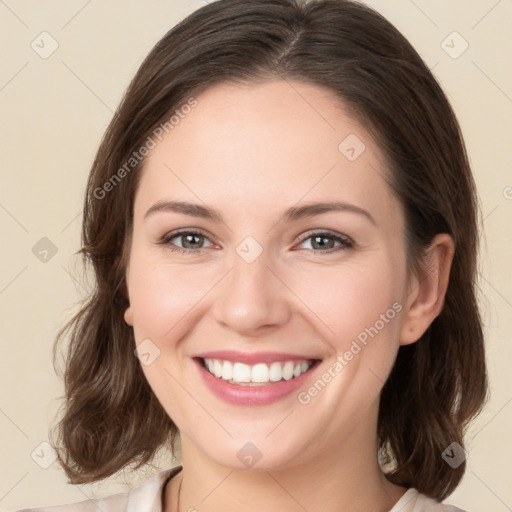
[(148, 497)]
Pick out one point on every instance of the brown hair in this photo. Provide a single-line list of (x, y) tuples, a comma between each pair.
[(111, 417)]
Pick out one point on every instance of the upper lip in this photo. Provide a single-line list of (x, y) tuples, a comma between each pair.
[(252, 358)]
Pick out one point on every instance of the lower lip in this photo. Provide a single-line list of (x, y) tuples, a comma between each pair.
[(252, 395)]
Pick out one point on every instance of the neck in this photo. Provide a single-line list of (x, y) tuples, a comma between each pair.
[(341, 477)]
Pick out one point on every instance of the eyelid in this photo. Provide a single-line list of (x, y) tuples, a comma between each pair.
[(167, 237), (328, 232), (345, 241)]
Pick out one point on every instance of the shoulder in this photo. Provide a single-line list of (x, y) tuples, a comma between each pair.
[(146, 496), (413, 501)]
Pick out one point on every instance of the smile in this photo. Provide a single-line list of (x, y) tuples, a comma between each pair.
[(258, 374), (254, 378)]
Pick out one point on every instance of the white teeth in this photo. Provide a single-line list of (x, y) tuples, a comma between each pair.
[(241, 372), (261, 373), (227, 370), (217, 368), (276, 373), (288, 370)]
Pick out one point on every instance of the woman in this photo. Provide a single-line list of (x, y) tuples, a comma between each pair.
[(281, 219)]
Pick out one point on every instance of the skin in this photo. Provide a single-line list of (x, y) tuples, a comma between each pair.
[(250, 152)]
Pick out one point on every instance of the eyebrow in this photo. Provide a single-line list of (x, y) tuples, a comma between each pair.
[(291, 214)]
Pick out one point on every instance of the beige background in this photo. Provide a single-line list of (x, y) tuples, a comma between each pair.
[(54, 111)]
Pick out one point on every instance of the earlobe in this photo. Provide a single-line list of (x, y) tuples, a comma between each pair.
[(128, 313), (428, 290), (128, 316)]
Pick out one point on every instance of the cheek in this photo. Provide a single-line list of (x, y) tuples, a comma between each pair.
[(351, 299), (164, 296)]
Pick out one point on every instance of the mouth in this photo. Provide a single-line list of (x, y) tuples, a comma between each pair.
[(254, 379), (260, 374)]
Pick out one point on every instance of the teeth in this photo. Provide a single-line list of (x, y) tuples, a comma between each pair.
[(227, 370), (288, 370), (261, 373), (241, 372)]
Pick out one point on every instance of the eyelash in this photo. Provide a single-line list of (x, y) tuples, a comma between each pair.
[(345, 242)]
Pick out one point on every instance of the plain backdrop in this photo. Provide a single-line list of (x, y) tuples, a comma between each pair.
[(54, 109)]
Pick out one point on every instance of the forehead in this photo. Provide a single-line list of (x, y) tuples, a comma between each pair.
[(259, 145)]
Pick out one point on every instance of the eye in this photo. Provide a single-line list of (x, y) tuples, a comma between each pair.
[(324, 241), (185, 241)]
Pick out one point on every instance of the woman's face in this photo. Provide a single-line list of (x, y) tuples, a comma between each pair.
[(266, 240)]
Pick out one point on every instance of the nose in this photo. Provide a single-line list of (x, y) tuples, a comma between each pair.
[(252, 299)]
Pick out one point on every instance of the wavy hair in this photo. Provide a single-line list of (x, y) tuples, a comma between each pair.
[(110, 416)]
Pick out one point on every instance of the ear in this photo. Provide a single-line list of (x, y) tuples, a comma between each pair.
[(428, 289), (128, 316)]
